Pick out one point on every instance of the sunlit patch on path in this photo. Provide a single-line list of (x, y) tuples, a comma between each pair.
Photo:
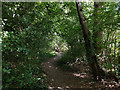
[(81, 75)]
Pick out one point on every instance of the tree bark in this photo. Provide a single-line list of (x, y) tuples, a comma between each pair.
[(90, 53), (97, 30)]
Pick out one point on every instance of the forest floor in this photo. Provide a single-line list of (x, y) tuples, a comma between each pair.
[(78, 77)]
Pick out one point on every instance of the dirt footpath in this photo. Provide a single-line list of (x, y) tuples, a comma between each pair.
[(66, 79)]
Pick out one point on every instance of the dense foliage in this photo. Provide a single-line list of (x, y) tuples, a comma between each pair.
[(32, 32), (25, 44)]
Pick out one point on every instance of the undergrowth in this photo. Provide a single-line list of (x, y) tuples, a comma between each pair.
[(26, 74)]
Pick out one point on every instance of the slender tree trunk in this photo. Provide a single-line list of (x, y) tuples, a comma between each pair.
[(97, 30), (90, 54), (119, 65)]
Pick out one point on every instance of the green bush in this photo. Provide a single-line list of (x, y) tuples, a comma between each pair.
[(23, 75)]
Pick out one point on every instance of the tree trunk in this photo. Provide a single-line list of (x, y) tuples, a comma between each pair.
[(97, 30), (90, 54)]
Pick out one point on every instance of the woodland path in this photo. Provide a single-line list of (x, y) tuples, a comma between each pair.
[(63, 80)]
